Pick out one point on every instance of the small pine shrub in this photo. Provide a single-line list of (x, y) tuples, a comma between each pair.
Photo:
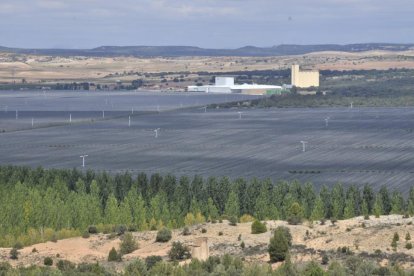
[(396, 237), (408, 245), (325, 259), (92, 229), (128, 244), (239, 237), (407, 236), (179, 252), (186, 231), (220, 233), (258, 227), (14, 254), (34, 250), (242, 245), (113, 256), (64, 265), (120, 229), (163, 235), (246, 218), (150, 261), (86, 235), (233, 221), (48, 261), (204, 230), (18, 245)]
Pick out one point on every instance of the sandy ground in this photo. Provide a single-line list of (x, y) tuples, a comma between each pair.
[(40, 69), (375, 235)]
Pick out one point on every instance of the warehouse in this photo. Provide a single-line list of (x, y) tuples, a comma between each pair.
[(226, 85)]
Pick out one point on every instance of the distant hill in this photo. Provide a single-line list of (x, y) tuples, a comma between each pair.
[(175, 51)]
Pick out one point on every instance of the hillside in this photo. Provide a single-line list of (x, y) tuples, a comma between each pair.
[(369, 239), (176, 51)]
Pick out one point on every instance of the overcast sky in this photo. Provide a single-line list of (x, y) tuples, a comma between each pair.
[(204, 23)]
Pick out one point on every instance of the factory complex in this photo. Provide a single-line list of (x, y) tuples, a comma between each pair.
[(300, 79), (226, 85)]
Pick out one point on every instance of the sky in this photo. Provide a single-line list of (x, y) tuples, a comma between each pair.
[(81, 24)]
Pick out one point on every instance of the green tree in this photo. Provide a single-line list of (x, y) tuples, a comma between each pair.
[(295, 214), (318, 210), (232, 208), (279, 246), (378, 206)]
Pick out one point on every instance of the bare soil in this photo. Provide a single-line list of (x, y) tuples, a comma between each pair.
[(370, 238)]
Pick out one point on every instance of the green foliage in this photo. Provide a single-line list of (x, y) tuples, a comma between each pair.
[(396, 237), (136, 267), (295, 214), (113, 256), (408, 236), (409, 245), (179, 252), (64, 265), (92, 229), (258, 227), (128, 244), (279, 246), (150, 261), (233, 221), (98, 202), (14, 254), (242, 245), (313, 269), (163, 235), (48, 261)]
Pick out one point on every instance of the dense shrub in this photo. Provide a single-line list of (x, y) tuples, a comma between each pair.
[(113, 256), (48, 261), (409, 245), (18, 245), (150, 261), (233, 221), (295, 214), (85, 235), (120, 229), (258, 227), (65, 265), (14, 254), (137, 267), (246, 218), (279, 245), (204, 230), (186, 231), (92, 229), (128, 244), (179, 252), (163, 235)]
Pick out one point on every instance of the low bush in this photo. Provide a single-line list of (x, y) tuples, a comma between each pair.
[(242, 245), (120, 229), (163, 235), (258, 227), (18, 245), (233, 221), (92, 229), (246, 218), (220, 233), (204, 230), (14, 254), (179, 252), (113, 256), (186, 231), (48, 261), (64, 265), (86, 235), (409, 245), (150, 261), (128, 244)]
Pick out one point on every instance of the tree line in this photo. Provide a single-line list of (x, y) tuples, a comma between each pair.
[(48, 204)]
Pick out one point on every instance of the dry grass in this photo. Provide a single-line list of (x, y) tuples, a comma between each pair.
[(377, 234)]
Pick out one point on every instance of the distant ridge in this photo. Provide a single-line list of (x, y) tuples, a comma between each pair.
[(176, 51)]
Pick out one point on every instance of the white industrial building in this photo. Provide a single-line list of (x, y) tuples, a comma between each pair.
[(226, 85)]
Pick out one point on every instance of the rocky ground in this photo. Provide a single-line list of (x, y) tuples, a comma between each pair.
[(367, 238)]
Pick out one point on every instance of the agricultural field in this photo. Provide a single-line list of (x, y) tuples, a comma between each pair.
[(357, 146)]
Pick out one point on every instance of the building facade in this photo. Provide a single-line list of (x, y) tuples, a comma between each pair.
[(304, 79)]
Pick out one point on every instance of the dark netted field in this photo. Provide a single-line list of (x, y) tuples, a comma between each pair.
[(369, 145)]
